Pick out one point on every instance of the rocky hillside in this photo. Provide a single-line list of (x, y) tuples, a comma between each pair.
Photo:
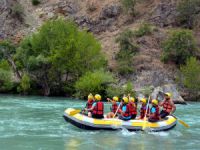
[(106, 19)]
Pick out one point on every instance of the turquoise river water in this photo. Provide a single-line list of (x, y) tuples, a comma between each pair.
[(36, 123)]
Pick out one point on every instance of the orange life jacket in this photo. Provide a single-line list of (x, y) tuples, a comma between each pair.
[(167, 106), (98, 109), (157, 114), (132, 109)]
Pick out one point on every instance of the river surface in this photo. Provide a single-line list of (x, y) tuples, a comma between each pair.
[(36, 123)]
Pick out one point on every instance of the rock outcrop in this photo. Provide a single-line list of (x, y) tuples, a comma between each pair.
[(164, 14), (171, 88)]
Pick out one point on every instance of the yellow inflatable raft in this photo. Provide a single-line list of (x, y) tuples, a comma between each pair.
[(85, 122)]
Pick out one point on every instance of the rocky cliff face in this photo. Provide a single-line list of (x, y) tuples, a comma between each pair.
[(105, 18)]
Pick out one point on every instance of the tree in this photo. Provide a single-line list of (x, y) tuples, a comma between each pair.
[(179, 46), (94, 82), (58, 54), (7, 50), (191, 74)]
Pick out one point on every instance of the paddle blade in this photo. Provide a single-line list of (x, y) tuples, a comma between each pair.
[(183, 123), (74, 112)]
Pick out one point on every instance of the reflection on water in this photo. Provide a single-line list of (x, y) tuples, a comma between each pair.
[(36, 123)]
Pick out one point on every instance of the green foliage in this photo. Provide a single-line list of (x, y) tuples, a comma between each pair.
[(114, 90), (93, 82), (25, 83), (5, 77), (129, 6), (6, 49), (129, 89), (188, 12), (147, 90), (191, 74), (35, 2), (18, 11), (127, 50), (58, 54), (144, 29), (179, 46)]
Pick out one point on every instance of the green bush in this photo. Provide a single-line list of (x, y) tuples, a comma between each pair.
[(129, 89), (125, 67), (114, 90), (18, 11), (179, 46), (188, 12), (35, 2), (25, 83), (58, 54), (6, 83), (127, 50), (144, 29), (129, 6), (191, 74), (93, 82)]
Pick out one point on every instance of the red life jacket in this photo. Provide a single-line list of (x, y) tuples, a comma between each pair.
[(143, 111), (89, 104), (98, 109), (127, 112), (157, 114), (132, 109), (114, 107), (167, 106)]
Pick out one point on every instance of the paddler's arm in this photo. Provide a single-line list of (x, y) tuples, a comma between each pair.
[(173, 107), (93, 105)]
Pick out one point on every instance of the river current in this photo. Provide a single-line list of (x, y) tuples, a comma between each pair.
[(36, 123)]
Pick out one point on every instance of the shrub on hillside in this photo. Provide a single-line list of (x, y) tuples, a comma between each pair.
[(189, 13), (144, 29), (129, 6), (127, 50), (179, 46), (93, 82), (191, 74), (35, 2)]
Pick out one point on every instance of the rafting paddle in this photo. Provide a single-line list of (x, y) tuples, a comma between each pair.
[(74, 112), (181, 122), (145, 116), (117, 110)]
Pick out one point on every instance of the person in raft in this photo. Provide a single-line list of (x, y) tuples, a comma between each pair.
[(97, 108), (125, 110), (168, 106), (154, 115), (132, 108), (89, 105), (143, 108), (114, 107)]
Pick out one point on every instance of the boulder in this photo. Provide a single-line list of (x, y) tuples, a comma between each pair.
[(110, 12)]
